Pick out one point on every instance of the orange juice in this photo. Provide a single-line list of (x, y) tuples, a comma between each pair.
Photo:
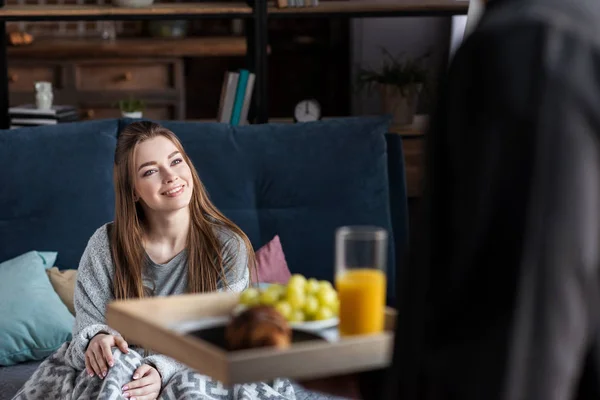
[(361, 294)]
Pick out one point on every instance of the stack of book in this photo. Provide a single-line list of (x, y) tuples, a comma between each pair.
[(29, 115), (236, 95), (297, 3)]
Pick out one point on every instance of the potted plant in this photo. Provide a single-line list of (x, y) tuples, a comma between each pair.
[(400, 82), (131, 108)]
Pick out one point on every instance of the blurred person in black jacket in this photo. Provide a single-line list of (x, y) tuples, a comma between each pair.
[(503, 300)]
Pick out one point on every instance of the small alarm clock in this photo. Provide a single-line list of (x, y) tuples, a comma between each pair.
[(307, 110)]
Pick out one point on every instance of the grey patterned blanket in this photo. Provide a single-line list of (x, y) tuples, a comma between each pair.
[(55, 379)]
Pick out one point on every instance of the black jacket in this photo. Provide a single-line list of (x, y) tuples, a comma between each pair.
[(502, 300)]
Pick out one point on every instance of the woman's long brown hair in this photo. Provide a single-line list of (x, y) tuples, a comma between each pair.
[(204, 257)]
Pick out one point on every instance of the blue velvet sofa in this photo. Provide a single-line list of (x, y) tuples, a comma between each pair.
[(298, 181)]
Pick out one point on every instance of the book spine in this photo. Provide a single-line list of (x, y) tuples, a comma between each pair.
[(239, 97), (247, 99), (230, 84)]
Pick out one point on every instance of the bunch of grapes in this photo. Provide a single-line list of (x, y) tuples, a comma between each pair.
[(300, 300)]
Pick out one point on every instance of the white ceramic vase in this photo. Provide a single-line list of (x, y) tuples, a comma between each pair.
[(43, 96)]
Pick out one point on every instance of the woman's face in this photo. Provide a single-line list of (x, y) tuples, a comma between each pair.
[(163, 180)]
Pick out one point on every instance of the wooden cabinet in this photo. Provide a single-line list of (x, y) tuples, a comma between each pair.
[(93, 111), (414, 163), (94, 75), (126, 75), (21, 77), (413, 145), (95, 86)]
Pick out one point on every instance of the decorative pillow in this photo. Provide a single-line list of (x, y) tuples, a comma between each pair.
[(34, 322), (63, 283), (271, 264)]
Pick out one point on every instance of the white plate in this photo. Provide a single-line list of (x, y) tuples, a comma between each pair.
[(308, 326)]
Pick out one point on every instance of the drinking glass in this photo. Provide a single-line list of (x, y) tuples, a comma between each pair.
[(360, 278)]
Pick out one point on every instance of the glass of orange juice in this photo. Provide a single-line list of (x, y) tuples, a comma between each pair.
[(360, 279)]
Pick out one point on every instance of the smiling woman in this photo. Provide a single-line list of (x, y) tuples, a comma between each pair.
[(162, 208), (167, 239)]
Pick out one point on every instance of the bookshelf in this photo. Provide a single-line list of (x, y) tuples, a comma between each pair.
[(255, 12), (94, 12), (127, 47), (375, 8)]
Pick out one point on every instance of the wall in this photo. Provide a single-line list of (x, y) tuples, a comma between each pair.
[(412, 36)]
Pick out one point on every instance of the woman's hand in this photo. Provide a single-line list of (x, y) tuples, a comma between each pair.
[(98, 356), (146, 384)]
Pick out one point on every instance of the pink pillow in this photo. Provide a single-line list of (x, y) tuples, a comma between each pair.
[(271, 264)]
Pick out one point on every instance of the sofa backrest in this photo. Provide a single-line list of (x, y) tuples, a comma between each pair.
[(56, 188), (300, 182)]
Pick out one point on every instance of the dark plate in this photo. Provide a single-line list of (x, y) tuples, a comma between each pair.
[(216, 336)]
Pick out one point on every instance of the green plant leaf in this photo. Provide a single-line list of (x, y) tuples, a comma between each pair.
[(395, 71)]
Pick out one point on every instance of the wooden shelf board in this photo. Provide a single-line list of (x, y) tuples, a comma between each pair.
[(140, 47), (74, 11), (377, 6)]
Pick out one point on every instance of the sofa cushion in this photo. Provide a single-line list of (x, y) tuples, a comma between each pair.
[(315, 177), (60, 187), (298, 181), (271, 266), (34, 322), (14, 377), (63, 282)]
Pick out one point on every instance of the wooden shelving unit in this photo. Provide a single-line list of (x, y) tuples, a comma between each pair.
[(256, 33), (139, 47), (373, 8), (163, 11)]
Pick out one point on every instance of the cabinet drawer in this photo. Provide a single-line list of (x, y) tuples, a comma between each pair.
[(23, 78), (156, 112), (414, 161), (125, 76)]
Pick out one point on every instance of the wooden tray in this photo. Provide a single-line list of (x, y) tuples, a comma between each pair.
[(189, 329)]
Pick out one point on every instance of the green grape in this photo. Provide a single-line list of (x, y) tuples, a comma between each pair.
[(250, 297), (324, 313), (312, 286), (284, 309), (269, 297), (336, 307), (297, 316), (295, 296), (326, 297), (323, 285), (277, 289), (297, 280), (311, 306)]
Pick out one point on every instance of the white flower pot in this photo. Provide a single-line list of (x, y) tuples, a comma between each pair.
[(135, 114), (132, 3), (401, 103)]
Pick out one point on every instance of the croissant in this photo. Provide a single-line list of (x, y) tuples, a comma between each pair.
[(259, 326)]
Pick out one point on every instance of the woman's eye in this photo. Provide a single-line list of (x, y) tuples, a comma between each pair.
[(149, 172), (177, 161)]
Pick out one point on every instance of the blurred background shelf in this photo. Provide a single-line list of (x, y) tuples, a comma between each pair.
[(61, 12), (85, 47), (376, 8), (294, 53)]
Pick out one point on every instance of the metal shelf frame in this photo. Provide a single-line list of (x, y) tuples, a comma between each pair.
[(256, 13)]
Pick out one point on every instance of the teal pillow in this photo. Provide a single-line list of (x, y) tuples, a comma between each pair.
[(34, 322)]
